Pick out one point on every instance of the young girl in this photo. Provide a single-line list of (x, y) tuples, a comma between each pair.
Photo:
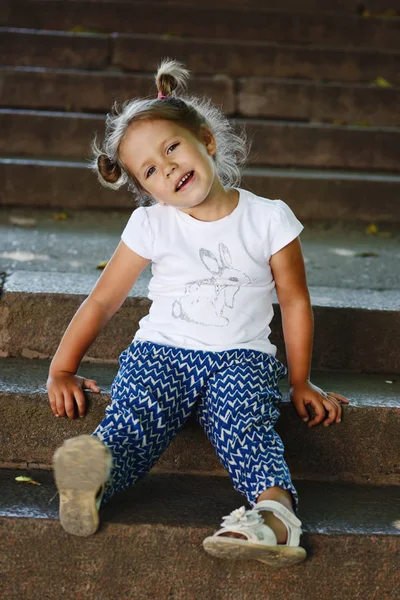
[(217, 252)]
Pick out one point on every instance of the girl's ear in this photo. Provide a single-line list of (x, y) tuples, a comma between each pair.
[(208, 139)]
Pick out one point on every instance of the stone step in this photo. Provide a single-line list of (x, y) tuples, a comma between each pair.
[(355, 330), (275, 98), (313, 101), (150, 544), (141, 53), (95, 91), (377, 8), (339, 255), (363, 448), (275, 24), (314, 195), (273, 143)]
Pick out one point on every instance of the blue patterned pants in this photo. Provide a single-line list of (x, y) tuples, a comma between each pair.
[(234, 396)]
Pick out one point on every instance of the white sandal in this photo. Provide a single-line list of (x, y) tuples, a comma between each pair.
[(261, 543)]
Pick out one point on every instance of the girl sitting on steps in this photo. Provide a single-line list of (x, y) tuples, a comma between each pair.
[(217, 252)]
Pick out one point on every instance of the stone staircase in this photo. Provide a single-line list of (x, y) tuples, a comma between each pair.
[(316, 85)]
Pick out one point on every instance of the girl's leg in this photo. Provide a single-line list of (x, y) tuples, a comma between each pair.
[(152, 396), (238, 412)]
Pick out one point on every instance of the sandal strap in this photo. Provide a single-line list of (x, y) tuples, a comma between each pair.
[(250, 524), (252, 533), (293, 524)]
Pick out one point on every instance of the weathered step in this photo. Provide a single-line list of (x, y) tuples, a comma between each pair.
[(376, 8), (279, 25), (93, 90), (26, 47), (313, 101), (314, 195), (152, 535), (276, 98), (338, 255), (141, 53), (356, 330), (273, 143), (363, 448), (258, 59)]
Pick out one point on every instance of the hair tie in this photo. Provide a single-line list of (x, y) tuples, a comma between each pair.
[(161, 95)]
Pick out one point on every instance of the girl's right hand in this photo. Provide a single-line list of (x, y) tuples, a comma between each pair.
[(65, 391)]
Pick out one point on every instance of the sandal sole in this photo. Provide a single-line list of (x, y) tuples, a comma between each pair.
[(236, 549), (81, 467)]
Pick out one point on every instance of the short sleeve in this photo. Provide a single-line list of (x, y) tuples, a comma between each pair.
[(137, 234), (284, 227)]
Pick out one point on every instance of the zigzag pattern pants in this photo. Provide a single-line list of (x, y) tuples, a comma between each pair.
[(233, 395)]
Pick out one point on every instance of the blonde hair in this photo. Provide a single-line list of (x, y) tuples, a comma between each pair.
[(190, 112)]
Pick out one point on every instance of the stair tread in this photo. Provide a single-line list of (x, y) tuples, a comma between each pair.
[(99, 118), (336, 254), (27, 377), (72, 284), (295, 172), (147, 75), (187, 500), (254, 22)]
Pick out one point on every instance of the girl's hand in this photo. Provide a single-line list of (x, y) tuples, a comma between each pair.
[(305, 393), (65, 389)]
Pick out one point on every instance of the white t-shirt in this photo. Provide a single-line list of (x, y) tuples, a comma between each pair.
[(212, 284)]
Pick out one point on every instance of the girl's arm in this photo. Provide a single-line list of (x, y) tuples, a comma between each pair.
[(105, 299), (288, 270)]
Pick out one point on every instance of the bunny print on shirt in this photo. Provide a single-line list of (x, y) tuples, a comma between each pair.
[(207, 301)]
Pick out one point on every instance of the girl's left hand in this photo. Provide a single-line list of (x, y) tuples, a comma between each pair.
[(305, 393)]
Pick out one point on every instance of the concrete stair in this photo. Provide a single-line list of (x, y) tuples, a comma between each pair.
[(45, 134), (302, 77), (234, 58), (351, 452), (280, 23), (313, 98), (273, 98), (52, 299), (346, 196), (149, 545)]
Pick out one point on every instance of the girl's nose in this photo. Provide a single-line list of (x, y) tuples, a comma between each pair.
[(169, 169)]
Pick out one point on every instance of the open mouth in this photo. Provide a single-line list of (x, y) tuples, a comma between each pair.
[(188, 178)]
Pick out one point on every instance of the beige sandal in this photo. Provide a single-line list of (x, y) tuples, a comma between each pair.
[(261, 543), (81, 465)]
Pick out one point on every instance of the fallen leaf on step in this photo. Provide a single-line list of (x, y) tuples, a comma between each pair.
[(77, 29), (381, 82), (22, 221), (361, 124), (82, 29), (60, 217), (102, 265), (23, 479), (168, 35), (372, 229), (387, 13)]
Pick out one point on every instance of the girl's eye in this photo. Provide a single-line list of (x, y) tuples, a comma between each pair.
[(149, 172), (173, 146)]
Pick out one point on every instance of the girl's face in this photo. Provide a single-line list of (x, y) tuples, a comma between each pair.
[(160, 153)]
